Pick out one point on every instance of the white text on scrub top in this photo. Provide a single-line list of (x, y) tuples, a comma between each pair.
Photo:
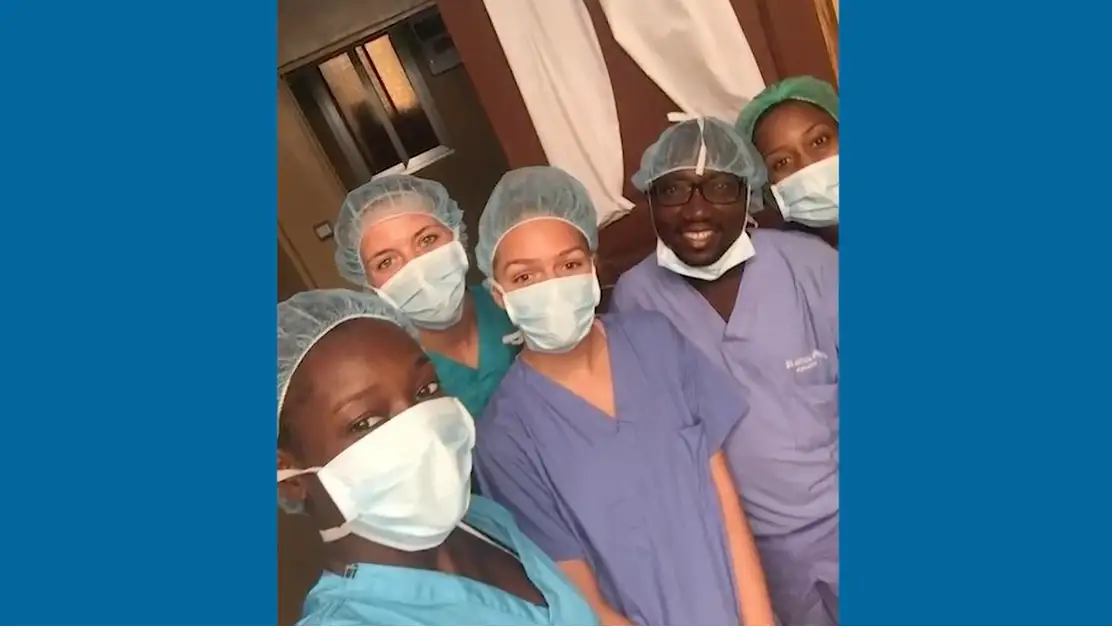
[(805, 363)]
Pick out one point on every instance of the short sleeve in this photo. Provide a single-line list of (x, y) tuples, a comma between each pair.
[(509, 473), (714, 396)]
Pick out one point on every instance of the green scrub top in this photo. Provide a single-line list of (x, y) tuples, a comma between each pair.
[(473, 387)]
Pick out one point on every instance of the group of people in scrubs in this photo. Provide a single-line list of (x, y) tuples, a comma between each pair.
[(671, 462)]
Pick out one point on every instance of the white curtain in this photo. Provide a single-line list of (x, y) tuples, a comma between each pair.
[(556, 59), (694, 50)]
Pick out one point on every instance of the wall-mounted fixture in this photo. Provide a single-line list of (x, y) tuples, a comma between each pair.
[(435, 43), (323, 231)]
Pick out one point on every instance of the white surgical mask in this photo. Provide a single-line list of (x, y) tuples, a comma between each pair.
[(407, 484), (430, 288), (810, 196), (739, 252), (556, 314)]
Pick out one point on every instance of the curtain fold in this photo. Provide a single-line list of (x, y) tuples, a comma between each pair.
[(555, 57), (694, 50)]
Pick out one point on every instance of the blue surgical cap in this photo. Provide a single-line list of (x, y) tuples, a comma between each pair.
[(305, 318), (528, 193), (806, 89), (710, 141), (383, 197)]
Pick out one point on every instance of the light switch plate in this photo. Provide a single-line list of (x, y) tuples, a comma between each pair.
[(323, 231)]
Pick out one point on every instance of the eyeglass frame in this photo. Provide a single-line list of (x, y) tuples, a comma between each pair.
[(743, 189)]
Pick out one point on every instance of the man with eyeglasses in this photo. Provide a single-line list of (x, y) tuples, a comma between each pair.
[(764, 307)]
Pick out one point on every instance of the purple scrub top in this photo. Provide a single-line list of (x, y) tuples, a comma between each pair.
[(631, 495), (781, 346)]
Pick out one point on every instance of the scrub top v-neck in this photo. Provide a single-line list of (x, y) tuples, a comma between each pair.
[(474, 386)]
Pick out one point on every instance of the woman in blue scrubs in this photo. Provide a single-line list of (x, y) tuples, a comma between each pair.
[(371, 448), (403, 237), (605, 437)]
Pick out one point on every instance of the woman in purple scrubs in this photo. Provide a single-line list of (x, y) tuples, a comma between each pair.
[(604, 439), (764, 309)]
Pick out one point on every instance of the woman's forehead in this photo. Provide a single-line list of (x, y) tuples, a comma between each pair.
[(377, 343), (395, 231), (541, 231), (795, 111)]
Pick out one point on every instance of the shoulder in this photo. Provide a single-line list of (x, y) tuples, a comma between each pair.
[(489, 517), (508, 395), (502, 418), (633, 280), (643, 328), (325, 605), (795, 248)]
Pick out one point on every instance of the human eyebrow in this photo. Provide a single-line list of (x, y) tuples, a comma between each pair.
[(424, 231), (363, 393)]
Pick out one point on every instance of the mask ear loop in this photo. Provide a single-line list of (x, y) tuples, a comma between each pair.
[(516, 338), (750, 222), (331, 534)]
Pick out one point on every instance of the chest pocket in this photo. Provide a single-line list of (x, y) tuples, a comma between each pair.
[(811, 384), (818, 412)]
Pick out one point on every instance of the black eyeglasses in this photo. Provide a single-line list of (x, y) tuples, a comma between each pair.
[(719, 191)]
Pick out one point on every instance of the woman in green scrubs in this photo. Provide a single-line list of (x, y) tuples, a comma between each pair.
[(403, 238)]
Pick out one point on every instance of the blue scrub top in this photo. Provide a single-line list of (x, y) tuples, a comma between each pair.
[(381, 595), (473, 387), (631, 495)]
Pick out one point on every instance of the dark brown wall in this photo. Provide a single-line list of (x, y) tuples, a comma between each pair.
[(786, 38)]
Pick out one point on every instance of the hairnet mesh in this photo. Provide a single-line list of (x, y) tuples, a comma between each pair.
[(306, 317), (678, 147), (383, 197), (803, 88), (533, 192)]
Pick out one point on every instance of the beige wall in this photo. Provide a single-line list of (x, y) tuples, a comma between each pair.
[(291, 279), (308, 193)]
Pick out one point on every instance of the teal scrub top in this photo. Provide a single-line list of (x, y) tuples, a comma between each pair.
[(381, 595), (474, 387)]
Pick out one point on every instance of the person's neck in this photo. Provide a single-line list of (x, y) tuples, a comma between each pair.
[(582, 358), (455, 339), (352, 550)]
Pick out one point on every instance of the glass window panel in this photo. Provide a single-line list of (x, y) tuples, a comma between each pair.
[(351, 98), (408, 116), (307, 86)]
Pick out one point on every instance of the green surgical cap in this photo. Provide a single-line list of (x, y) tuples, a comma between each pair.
[(803, 88)]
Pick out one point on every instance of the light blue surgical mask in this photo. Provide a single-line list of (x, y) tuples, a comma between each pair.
[(556, 314), (430, 288), (810, 196)]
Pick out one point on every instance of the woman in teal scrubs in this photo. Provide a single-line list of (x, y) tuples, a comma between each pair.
[(403, 237)]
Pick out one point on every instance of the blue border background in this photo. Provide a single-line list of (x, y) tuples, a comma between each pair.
[(138, 149), (975, 313)]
